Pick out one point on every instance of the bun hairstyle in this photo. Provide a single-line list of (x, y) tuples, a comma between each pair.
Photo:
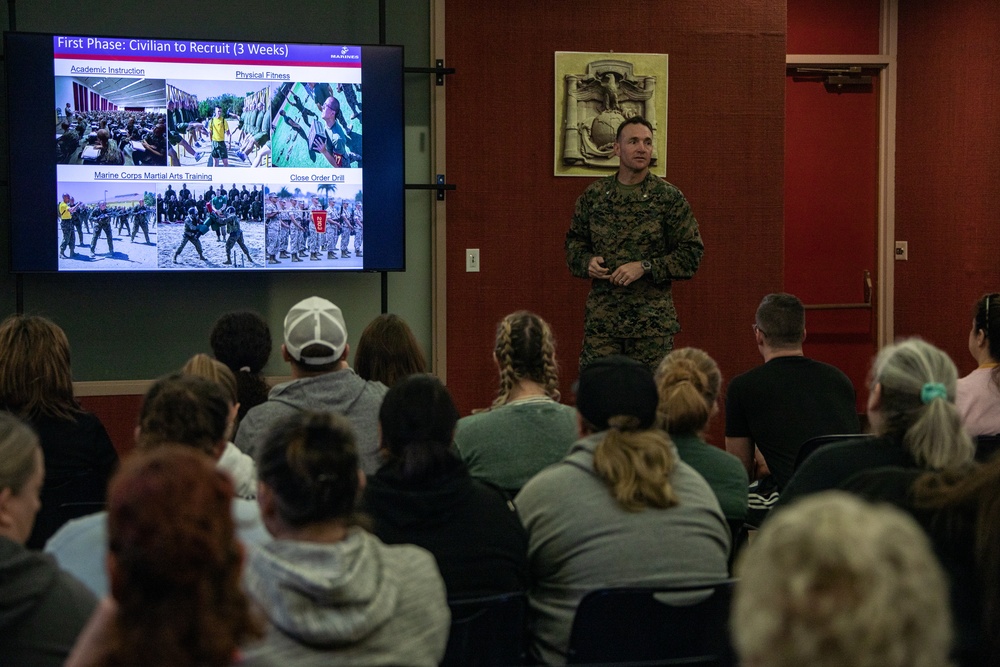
[(242, 341), (688, 381), (310, 461), (918, 403), (418, 421), (525, 350)]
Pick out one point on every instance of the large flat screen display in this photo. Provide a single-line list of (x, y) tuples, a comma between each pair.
[(138, 154)]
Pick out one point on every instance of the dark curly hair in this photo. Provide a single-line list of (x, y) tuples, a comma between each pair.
[(242, 341)]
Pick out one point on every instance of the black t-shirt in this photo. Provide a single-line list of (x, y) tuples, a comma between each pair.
[(785, 402)]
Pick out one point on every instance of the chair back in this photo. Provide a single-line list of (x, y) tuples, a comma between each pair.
[(487, 631), (812, 444), (668, 625), (986, 447)]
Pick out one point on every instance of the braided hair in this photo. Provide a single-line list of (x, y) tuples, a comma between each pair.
[(525, 350)]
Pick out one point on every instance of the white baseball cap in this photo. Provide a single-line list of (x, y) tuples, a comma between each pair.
[(315, 321)]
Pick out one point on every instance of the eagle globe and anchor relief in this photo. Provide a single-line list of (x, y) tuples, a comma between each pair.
[(596, 103)]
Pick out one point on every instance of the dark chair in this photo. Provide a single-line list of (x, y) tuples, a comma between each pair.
[(812, 444), (683, 625), (986, 447), (487, 631)]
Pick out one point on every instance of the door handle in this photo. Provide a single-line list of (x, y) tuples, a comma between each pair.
[(867, 286)]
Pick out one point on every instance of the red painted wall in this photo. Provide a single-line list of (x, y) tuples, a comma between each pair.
[(725, 152), (947, 168)]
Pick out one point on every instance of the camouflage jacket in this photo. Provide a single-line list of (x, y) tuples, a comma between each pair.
[(649, 221)]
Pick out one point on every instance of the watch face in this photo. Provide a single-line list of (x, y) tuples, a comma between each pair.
[(646, 265)]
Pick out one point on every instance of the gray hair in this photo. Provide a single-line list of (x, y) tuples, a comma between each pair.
[(18, 444), (832, 581), (918, 403)]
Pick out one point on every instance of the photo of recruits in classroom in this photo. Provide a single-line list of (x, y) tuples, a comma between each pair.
[(110, 121)]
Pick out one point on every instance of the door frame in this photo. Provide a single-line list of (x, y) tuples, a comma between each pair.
[(885, 61)]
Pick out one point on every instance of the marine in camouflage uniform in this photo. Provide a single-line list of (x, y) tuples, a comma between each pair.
[(272, 229), (650, 222)]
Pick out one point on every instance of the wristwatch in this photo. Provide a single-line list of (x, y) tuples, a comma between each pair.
[(646, 265)]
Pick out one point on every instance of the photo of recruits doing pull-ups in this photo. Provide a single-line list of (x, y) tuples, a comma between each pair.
[(316, 125), (215, 231), (106, 226), (307, 227), (212, 124)]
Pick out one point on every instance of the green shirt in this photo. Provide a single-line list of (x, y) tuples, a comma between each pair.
[(723, 472), (508, 445)]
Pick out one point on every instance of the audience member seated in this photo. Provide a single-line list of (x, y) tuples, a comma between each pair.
[(388, 351), (776, 407), (620, 510), (689, 381), (174, 565), (67, 143), (108, 151), (334, 593), (42, 609), (242, 341), (239, 466), (424, 495), (960, 510), (977, 395), (833, 581), (526, 428), (36, 384), (910, 408), (316, 349), (177, 410)]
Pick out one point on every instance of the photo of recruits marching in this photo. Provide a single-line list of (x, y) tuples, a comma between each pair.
[(224, 129), (92, 218), (313, 227), (316, 125), (210, 228)]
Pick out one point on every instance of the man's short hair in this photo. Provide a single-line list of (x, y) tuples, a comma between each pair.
[(634, 120), (833, 580), (781, 318)]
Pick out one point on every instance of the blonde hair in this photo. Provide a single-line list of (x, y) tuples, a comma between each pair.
[(832, 581), (688, 381), (18, 444), (35, 375), (525, 350), (636, 464), (202, 365), (931, 428)]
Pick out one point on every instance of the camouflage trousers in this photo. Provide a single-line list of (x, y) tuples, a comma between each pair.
[(649, 351)]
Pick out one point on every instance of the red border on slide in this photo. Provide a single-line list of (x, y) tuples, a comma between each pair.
[(213, 61)]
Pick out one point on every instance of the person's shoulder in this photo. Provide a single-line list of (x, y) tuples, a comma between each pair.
[(86, 533)]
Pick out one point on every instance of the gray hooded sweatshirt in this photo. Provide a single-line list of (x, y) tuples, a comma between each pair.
[(342, 392), (357, 602), (42, 609)]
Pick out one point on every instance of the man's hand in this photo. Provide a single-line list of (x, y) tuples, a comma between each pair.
[(596, 268), (626, 274)]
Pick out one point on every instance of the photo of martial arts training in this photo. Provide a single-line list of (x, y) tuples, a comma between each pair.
[(127, 129), (324, 228), (106, 226), (217, 124), (206, 226), (316, 125)]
